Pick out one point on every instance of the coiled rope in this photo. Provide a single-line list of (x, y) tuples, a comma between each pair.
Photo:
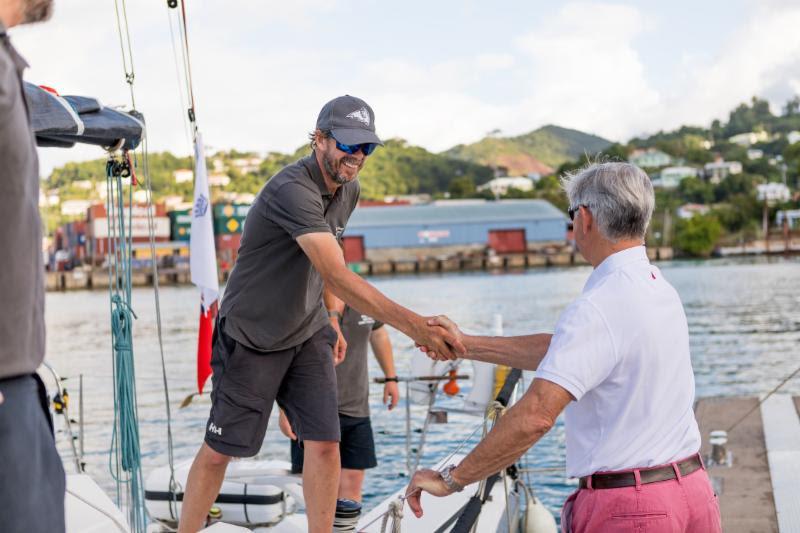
[(125, 458)]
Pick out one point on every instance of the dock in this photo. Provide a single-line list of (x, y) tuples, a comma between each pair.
[(759, 492)]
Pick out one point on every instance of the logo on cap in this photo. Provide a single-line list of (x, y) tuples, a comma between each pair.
[(361, 115)]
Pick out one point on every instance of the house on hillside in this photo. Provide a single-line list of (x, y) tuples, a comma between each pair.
[(218, 180), (649, 158), (72, 208), (750, 138), (719, 170), (247, 165), (183, 175), (500, 186), (687, 211), (670, 177), (754, 153)]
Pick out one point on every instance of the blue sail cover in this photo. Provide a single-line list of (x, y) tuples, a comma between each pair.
[(65, 120)]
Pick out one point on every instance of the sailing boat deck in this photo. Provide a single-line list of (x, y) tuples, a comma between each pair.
[(759, 492)]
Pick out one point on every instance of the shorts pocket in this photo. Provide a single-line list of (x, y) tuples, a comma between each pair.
[(648, 515)]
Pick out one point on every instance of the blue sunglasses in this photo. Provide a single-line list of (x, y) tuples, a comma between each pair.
[(366, 148)]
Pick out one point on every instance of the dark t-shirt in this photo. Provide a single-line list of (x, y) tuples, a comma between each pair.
[(352, 374), (273, 299), (22, 271)]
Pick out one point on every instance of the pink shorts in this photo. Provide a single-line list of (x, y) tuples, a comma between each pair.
[(684, 505)]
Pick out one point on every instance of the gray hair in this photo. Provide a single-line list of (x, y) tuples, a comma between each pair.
[(619, 195)]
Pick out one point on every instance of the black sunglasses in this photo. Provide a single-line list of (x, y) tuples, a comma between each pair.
[(572, 210)]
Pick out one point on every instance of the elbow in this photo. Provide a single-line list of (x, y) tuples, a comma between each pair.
[(536, 426), (334, 278)]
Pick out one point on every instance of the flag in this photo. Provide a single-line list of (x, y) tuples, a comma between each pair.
[(203, 262)]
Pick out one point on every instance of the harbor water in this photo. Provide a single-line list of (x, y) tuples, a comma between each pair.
[(744, 322)]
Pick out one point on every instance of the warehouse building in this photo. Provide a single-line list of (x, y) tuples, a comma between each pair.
[(447, 228)]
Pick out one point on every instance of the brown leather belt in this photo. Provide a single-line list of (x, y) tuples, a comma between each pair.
[(615, 480)]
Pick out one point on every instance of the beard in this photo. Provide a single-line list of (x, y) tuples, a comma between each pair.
[(36, 10), (332, 167)]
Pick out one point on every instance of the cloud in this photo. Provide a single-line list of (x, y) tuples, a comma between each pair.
[(262, 72), (761, 58), (586, 72)]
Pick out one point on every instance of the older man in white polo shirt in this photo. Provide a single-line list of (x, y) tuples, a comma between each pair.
[(619, 364)]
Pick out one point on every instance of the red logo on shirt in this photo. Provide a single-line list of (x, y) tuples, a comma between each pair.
[(652, 275)]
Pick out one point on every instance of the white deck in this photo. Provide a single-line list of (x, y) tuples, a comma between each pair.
[(782, 439)]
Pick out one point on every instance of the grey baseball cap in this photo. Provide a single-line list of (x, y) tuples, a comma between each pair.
[(350, 120)]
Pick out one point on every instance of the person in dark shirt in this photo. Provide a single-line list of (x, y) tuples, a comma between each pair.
[(357, 447), (277, 337), (31, 474)]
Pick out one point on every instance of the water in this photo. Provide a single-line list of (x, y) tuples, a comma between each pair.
[(744, 321)]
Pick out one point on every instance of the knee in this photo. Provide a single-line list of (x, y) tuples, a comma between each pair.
[(325, 450), (212, 458)]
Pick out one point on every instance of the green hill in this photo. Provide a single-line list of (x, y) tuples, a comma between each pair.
[(540, 151)]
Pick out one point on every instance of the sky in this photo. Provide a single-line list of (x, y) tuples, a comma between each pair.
[(437, 73)]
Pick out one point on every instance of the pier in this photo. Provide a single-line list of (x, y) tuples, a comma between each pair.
[(97, 278), (759, 492)]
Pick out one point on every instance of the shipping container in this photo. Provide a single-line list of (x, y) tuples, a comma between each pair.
[(508, 241), (229, 218), (98, 211), (180, 225), (227, 250), (353, 249)]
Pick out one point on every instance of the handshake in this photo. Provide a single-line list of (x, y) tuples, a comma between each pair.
[(440, 338)]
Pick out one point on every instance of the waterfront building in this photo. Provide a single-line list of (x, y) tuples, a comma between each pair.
[(446, 228)]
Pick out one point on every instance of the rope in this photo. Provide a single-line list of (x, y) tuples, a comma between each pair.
[(770, 393), (125, 446)]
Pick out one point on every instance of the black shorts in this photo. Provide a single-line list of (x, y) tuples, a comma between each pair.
[(357, 447), (246, 383)]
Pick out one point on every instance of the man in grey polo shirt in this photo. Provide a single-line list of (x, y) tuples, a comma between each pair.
[(275, 340), (31, 474)]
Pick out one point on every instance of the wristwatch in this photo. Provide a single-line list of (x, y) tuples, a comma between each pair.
[(447, 477), (334, 313)]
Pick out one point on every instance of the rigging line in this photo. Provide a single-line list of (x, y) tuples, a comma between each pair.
[(129, 73), (180, 82), (188, 61), (157, 297), (770, 393)]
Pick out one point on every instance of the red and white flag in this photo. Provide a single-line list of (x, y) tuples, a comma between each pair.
[(203, 262)]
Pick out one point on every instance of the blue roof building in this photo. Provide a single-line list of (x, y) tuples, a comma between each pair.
[(460, 223)]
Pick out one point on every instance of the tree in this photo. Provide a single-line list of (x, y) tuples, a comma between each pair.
[(462, 187), (695, 190), (792, 107), (697, 236)]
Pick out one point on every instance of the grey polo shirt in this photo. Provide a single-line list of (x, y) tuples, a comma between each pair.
[(22, 270), (273, 299), (352, 374)]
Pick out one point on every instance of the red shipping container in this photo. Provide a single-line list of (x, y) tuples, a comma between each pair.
[(508, 241), (353, 249), (227, 249)]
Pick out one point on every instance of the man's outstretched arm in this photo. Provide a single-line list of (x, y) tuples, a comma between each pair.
[(524, 352), (520, 428), (325, 254)]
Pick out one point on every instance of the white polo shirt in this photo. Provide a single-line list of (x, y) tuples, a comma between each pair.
[(622, 350)]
